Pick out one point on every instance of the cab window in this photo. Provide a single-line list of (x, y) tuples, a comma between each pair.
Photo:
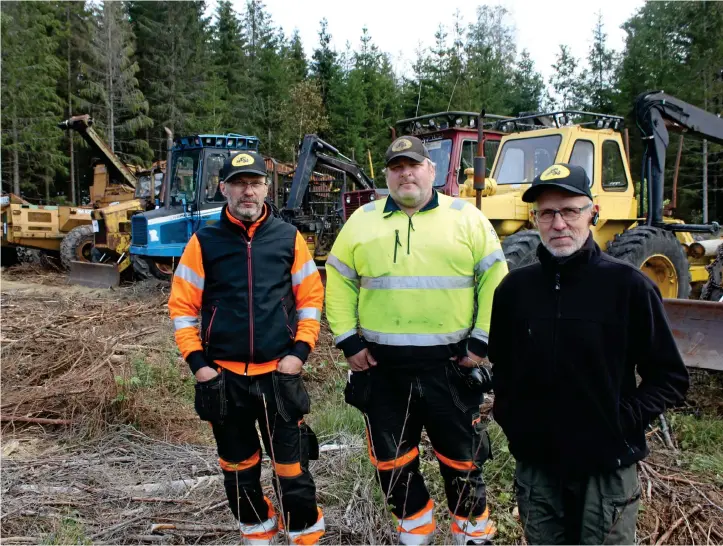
[(214, 162), (613, 168), (469, 149), (583, 155)]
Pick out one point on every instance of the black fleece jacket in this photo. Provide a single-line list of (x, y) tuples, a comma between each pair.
[(566, 338)]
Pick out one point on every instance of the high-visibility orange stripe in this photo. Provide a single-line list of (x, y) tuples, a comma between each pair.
[(311, 538), (429, 506), (487, 531), (243, 465), (457, 465), (288, 470), (400, 461), (185, 299), (423, 529), (310, 293), (240, 368), (484, 515)]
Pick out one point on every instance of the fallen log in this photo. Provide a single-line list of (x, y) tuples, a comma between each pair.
[(36, 420)]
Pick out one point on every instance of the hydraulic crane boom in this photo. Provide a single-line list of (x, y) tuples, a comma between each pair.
[(82, 124), (655, 113), (315, 151)]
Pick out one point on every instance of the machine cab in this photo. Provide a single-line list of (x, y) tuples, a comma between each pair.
[(194, 197), (451, 139)]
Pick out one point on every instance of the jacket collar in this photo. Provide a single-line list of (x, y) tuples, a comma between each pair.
[(590, 252), (391, 205), (237, 225)]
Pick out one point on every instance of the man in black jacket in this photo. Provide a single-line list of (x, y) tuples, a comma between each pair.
[(566, 338)]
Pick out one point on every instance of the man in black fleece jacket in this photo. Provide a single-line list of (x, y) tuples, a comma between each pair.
[(566, 339)]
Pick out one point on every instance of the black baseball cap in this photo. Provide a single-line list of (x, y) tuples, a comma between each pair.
[(563, 176), (407, 146), (243, 163)]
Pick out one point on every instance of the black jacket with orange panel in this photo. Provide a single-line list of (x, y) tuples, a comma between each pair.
[(257, 291)]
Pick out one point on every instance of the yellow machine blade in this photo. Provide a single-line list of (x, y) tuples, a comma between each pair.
[(94, 275), (698, 331)]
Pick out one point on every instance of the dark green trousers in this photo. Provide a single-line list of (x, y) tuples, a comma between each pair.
[(596, 509)]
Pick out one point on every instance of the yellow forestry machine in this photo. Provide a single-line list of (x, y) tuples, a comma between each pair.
[(97, 254), (663, 247)]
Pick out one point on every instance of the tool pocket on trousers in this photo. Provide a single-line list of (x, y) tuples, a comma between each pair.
[(292, 399), (308, 445), (358, 390), (210, 400), (620, 516), (481, 443), (463, 397)]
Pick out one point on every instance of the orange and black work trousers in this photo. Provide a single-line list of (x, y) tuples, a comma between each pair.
[(398, 403), (278, 402)]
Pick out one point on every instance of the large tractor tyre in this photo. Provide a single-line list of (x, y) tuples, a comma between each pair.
[(77, 246), (141, 269), (8, 256), (28, 255), (713, 288), (521, 248), (145, 268), (658, 254)]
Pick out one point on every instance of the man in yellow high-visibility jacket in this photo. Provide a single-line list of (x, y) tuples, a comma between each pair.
[(417, 273)]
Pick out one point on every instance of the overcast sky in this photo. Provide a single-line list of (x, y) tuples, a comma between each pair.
[(401, 27)]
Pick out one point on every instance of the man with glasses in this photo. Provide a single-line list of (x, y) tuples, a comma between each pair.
[(567, 337), (254, 284), (417, 272)]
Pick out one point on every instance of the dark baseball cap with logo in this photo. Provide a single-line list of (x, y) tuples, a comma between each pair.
[(242, 163), (561, 176), (407, 146)]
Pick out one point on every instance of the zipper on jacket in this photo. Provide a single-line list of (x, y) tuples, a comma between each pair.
[(410, 228), (251, 307), (210, 325), (557, 319), (397, 243)]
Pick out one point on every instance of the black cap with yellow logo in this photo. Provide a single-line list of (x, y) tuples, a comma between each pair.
[(243, 163), (562, 176), (407, 146)]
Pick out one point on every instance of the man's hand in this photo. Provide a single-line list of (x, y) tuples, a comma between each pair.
[(472, 360), (205, 374), (361, 361), (290, 364)]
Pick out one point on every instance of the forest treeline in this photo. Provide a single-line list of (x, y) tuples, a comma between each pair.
[(139, 66)]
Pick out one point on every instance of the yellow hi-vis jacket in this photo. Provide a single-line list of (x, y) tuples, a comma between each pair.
[(411, 283)]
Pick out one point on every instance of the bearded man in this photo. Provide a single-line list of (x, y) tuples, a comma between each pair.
[(567, 337), (410, 281), (259, 295)]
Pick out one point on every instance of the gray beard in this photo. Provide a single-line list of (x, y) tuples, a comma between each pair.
[(564, 252)]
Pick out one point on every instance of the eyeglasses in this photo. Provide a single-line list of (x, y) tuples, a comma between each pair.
[(568, 214), (253, 185)]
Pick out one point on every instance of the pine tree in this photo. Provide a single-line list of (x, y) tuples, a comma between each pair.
[(528, 87), (325, 68), (567, 81), (491, 52), (599, 88), (172, 52), (31, 107), (111, 90)]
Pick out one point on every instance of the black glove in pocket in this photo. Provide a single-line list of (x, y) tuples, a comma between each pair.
[(358, 390), (210, 401), (291, 396)]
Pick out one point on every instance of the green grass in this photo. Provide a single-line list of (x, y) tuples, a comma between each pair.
[(330, 416), (700, 439), (162, 374), (68, 531)]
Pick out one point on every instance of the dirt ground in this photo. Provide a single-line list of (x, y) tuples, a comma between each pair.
[(101, 445)]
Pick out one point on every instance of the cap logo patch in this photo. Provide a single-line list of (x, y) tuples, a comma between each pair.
[(401, 145), (241, 160), (555, 171)]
